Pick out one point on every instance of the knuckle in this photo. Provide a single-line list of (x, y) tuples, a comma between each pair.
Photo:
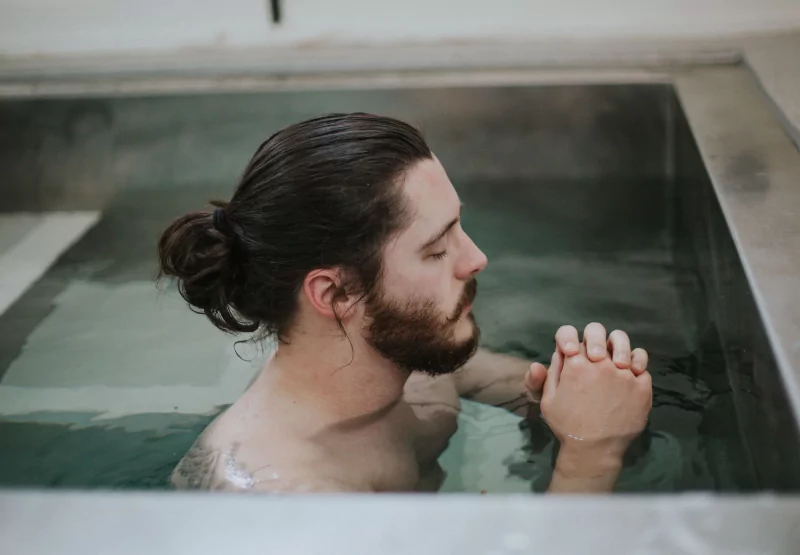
[(581, 361), (568, 368), (573, 368)]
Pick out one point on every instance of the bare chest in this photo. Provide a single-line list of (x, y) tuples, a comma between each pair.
[(400, 456)]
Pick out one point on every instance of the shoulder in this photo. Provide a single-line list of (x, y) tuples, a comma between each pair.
[(238, 468), (197, 469)]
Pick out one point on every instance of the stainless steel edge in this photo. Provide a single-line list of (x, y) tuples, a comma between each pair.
[(338, 58), (125, 523), (265, 68), (755, 170), (115, 86)]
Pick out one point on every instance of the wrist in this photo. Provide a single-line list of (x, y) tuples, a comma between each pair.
[(586, 469), (588, 462)]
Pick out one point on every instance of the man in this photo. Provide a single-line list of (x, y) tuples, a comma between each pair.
[(344, 240)]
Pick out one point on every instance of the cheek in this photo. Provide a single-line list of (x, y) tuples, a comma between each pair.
[(420, 281)]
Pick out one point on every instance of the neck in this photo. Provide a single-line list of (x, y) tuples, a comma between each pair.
[(339, 378)]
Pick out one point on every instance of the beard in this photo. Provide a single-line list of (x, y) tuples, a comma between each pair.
[(419, 337)]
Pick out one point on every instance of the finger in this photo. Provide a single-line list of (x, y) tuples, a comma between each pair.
[(534, 380), (619, 345), (567, 340), (645, 381), (594, 336), (553, 374), (639, 361)]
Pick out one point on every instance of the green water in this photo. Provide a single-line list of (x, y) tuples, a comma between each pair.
[(135, 377), (118, 454)]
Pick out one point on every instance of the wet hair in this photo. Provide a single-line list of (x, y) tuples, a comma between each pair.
[(323, 193)]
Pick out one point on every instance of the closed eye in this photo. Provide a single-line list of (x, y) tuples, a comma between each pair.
[(441, 233), (439, 255)]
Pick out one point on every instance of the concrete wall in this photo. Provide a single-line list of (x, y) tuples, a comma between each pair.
[(30, 27)]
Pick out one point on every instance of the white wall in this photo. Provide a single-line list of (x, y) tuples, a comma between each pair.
[(56, 26), (81, 26)]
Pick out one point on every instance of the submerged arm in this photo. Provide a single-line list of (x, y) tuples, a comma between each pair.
[(500, 380)]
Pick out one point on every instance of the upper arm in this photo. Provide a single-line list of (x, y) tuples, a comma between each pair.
[(497, 380), (467, 378)]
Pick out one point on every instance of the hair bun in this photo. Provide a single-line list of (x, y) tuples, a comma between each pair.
[(195, 250)]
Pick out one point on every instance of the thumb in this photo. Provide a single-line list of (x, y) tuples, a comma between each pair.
[(534, 380)]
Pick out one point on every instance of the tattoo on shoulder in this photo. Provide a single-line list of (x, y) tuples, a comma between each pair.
[(196, 469)]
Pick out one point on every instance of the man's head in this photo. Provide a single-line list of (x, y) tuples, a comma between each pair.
[(345, 219)]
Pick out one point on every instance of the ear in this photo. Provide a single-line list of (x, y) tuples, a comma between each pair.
[(320, 288)]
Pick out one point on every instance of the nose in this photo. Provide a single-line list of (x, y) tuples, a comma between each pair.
[(474, 259)]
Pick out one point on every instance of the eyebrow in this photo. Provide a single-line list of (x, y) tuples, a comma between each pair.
[(442, 232)]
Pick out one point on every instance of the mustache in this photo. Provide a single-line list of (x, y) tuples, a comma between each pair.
[(470, 291)]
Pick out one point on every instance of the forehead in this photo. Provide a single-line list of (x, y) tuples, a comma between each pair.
[(431, 196)]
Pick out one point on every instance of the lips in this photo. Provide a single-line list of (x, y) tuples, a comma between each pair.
[(465, 304), (470, 290)]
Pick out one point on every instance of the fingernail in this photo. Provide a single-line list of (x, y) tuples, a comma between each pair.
[(571, 346), (597, 350)]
